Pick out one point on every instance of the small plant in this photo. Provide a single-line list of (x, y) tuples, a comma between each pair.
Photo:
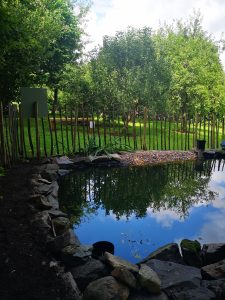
[(2, 171), (111, 147)]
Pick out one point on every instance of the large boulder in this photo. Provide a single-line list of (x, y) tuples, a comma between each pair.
[(144, 295), (116, 261), (214, 271), (149, 279), (84, 274), (212, 253), (106, 288), (216, 286), (61, 224), (124, 276), (191, 252), (172, 274), (169, 252), (73, 255), (57, 243), (72, 291), (199, 293)]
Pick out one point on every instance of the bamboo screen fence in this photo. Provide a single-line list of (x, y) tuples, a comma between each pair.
[(72, 130)]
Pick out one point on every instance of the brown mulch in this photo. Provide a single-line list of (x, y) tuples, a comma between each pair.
[(141, 158)]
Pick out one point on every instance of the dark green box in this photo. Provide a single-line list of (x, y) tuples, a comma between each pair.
[(28, 98)]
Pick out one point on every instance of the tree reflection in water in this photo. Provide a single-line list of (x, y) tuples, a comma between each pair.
[(126, 191)]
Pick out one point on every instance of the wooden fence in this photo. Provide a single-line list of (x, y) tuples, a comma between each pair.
[(69, 131)]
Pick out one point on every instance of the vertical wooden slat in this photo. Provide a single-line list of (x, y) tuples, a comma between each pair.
[(83, 128), (161, 132), (149, 131), (104, 128), (8, 145), (44, 136), (51, 135), (144, 147), (67, 131), (61, 129), (30, 136), (169, 135), (157, 142), (37, 131), (55, 129), (3, 158), (21, 130), (165, 133), (98, 129), (189, 131)]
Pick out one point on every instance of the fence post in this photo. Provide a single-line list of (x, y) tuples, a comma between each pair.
[(2, 136), (37, 131)]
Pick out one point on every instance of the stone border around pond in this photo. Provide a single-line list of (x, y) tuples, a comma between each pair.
[(198, 274)]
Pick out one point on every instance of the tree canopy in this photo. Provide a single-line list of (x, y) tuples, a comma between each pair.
[(38, 38)]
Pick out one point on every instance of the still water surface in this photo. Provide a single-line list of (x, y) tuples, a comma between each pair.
[(139, 209)]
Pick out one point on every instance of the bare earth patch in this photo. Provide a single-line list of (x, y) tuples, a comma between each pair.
[(141, 158)]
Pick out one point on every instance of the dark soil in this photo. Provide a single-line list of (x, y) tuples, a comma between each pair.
[(24, 263)]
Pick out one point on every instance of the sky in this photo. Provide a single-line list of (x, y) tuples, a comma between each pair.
[(108, 16)]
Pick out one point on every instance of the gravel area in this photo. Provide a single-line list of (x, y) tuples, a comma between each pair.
[(141, 158)]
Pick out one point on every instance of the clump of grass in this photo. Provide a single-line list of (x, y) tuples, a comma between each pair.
[(111, 147), (2, 171)]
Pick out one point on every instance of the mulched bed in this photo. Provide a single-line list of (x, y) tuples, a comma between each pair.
[(24, 263), (141, 158)]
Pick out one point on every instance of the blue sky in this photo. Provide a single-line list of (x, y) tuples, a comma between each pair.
[(108, 16)]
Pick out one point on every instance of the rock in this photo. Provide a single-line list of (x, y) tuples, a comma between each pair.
[(94, 159), (40, 202), (199, 293), (47, 189), (41, 223), (116, 261), (191, 251), (93, 269), (212, 253), (56, 244), (115, 156), (56, 213), (214, 271), (61, 224), (72, 291), (169, 252), (74, 255), (53, 202), (143, 295), (64, 162), (173, 274), (106, 288), (216, 286), (63, 172), (124, 276), (149, 279)]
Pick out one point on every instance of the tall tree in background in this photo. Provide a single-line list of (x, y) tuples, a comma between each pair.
[(38, 38), (197, 82), (128, 71)]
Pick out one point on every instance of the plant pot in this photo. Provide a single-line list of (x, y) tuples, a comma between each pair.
[(99, 248), (201, 145)]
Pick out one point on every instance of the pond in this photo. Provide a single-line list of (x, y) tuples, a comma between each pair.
[(139, 209)]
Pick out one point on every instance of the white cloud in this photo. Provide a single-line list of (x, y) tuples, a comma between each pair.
[(107, 17)]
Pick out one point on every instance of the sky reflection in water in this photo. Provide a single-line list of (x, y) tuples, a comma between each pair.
[(140, 209)]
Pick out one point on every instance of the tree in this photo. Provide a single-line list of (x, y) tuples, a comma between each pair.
[(127, 71), (38, 39), (197, 82)]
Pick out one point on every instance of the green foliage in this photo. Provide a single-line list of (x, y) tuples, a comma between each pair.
[(37, 39), (2, 171), (113, 146), (197, 82)]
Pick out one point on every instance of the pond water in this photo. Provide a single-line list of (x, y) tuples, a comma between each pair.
[(139, 209)]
